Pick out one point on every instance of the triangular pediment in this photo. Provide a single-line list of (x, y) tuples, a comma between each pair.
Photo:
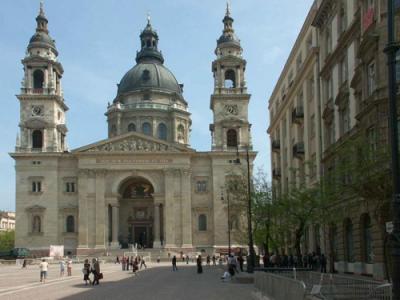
[(133, 142)]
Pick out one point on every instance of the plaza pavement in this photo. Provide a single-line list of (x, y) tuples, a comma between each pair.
[(158, 282)]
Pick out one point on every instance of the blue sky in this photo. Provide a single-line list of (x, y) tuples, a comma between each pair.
[(97, 42)]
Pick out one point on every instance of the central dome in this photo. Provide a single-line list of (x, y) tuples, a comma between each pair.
[(149, 75)]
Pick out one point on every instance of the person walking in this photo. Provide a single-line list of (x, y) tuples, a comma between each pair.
[(143, 263), (24, 264), (214, 260), (86, 272), (187, 259), (208, 260), (62, 268), (174, 268), (135, 265), (117, 260), (123, 263), (199, 266), (43, 266), (323, 263), (127, 263), (69, 267), (241, 261), (96, 271)]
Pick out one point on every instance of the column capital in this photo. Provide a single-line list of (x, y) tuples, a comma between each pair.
[(186, 172)]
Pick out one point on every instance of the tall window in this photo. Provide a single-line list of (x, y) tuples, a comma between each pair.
[(343, 17), (367, 249), (36, 186), (181, 133), (202, 223), (344, 115), (37, 139), (36, 224), (231, 138), (349, 241), (38, 79), (328, 39), (70, 224), (317, 238), (343, 70), (131, 127), (70, 187), (371, 78), (162, 131), (372, 140), (146, 128), (230, 79), (201, 186)]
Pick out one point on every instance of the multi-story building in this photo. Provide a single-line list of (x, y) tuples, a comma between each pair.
[(7, 221), (351, 101)]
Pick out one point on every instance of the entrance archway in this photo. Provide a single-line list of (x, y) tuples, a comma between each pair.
[(136, 212)]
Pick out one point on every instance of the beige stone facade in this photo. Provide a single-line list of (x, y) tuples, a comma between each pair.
[(350, 100), (7, 221), (143, 184)]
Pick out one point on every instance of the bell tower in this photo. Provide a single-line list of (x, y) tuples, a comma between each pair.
[(230, 130), (42, 107)]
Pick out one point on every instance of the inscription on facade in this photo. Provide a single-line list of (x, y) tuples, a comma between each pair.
[(133, 161)]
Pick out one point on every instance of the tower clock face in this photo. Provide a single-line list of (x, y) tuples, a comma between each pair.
[(37, 110)]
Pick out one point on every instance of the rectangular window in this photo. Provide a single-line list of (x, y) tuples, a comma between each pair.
[(371, 78), (36, 186), (372, 139), (299, 62), (70, 187), (290, 78), (343, 70), (201, 186), (344, 115)]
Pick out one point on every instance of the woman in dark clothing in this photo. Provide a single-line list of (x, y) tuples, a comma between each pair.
[(199, 266), (86, 271)]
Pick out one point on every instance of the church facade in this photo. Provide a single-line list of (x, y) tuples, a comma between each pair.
[(142, 184)]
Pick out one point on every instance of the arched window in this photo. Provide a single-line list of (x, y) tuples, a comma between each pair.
[(162, 131), (37, 139), (131, 127), (181, 134), (231, 137), (230, 79), (202, 223), (317, 239), (38, 79), (367, 249), (36, 224), (146, 128), (70, 224), (333, 240), (349, 243), (148, 44)]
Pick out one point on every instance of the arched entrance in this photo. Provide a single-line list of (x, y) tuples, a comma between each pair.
[(136, 212)]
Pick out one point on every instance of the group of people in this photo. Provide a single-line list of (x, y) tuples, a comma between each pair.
[(133, 263), (311, 261), (44, 267), (92, 268)]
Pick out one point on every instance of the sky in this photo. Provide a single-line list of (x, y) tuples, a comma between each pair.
[(97, 42)]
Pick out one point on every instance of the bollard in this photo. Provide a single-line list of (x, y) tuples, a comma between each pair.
[(294, 273)]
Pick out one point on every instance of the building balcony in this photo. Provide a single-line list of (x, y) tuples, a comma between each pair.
[(298, 150), (276, 173), (298, 114), (276, 145), (231, 91)]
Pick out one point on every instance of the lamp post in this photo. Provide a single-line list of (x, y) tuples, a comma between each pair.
[(391, 50), (229, 219), (251, 260)]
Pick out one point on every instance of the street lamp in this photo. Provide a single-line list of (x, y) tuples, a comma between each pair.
[(391, 51), (229, 219), (252, 254)]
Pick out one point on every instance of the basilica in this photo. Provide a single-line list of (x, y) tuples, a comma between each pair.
[(143, 183)]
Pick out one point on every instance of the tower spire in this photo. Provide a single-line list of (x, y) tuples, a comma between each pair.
[(148, 18), (228, 9), (41, 10)]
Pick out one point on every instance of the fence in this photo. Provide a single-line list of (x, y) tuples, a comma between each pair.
[(279, 287)]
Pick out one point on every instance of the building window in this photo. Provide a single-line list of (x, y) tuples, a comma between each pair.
[(201, 186), (202, 223), (37, 139), (232, 138), (299, 62), (70, 187), (181, 134), (349, 242), (230, 80), (367, 248), (328, 39), (146, 128), (372, 140), (38, 79), (162, 131), (36, 224), (317, 239), (36, 186), (70, 224), (344, 115), (131, 127), (371, 78), (343, 17), (343, 70)]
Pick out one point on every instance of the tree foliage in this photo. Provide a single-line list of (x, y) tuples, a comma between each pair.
[(7, 239)]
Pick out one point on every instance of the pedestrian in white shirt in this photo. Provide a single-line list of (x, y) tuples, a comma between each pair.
[(43, 270)]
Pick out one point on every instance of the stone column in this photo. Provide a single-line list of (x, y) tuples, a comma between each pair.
[(83, 222), (156, 242), (115, 226), (186, 208), (100, 210), (169, 208)]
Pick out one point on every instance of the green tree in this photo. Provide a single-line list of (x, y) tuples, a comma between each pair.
[(7, 239)]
